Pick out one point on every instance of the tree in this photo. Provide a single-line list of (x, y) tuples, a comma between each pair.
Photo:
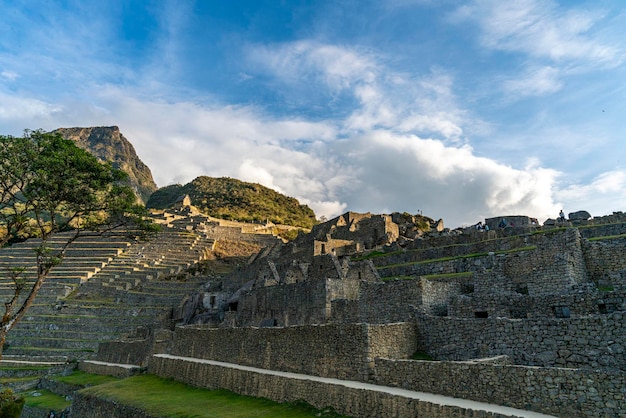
[(49, 185)]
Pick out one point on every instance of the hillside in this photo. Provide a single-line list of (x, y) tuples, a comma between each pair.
[(108, 144), (228, 198)]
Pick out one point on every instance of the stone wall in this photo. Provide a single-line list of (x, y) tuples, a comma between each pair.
[(354, 402), (554, 267), (559, 391), (287, 304), (596, 341), (87, 405), (232, 233), (385, 302), (604, 259), (478, 246), (514, 305), (335, 350)]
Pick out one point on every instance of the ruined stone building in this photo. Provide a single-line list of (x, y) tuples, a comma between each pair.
[(521, 315)]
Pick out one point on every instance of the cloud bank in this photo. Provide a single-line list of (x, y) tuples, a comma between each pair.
[(384, 139)]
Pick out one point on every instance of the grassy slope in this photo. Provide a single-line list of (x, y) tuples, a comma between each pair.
[(228, 198)]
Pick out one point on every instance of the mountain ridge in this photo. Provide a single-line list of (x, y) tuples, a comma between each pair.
[(108, 144), (229, 198)]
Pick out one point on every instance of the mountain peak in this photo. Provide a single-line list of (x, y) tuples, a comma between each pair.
[(108, 144)]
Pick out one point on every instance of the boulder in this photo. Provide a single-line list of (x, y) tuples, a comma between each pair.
[(581, 215)]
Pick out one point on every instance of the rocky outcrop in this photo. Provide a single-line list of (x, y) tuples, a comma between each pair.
[(581, 215), (108, 144)]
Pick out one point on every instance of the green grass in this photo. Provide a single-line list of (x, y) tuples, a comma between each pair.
[(79, 378), (168, 398), (473, 255), (429, 276), (607, 237), (46, 400), (24, 368), (421, 355), (6, 380), (447, 275), (49, 349), (393, 278)]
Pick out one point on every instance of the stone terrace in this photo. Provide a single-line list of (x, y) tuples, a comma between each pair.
[(107, 287)]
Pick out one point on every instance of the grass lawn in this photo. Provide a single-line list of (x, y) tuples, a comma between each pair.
[(46, 400), (79, 378), (168, 398)]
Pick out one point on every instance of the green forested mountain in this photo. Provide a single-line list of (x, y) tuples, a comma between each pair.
[(228, 198)]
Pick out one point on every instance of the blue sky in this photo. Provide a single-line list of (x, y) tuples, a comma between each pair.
[(460, 110)]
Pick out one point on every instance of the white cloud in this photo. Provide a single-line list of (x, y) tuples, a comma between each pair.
[(16, 113), (605, 193), (398, 149), (535, 82), (9, 75), (540, 29), (338, 68)]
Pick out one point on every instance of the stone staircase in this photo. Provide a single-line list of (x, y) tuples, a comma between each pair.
[(103, 289)]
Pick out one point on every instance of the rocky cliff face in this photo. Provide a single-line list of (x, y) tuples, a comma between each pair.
[(108, 144)]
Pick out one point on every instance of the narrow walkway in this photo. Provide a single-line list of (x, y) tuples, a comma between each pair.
[(420, 396)]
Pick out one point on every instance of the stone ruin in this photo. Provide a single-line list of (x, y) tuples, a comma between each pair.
[(521, 315)]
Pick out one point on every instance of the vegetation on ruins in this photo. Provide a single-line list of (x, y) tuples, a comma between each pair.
[(228, 198), (49, 185), (10, 405)]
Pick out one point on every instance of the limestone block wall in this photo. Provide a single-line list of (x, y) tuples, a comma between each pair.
[(354, 402), (290, 304), (232, 233), (345, 311), (559, 391), (125, 352), (385, 302), (597, 229), (555, 266), (343, 351), (604, 259), (518, 306), (459, 265), (419, 253), (437, 293), (594, 341)]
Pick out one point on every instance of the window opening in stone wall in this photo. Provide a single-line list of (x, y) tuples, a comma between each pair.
[(323, 248), (602, 308), (519, 314), (481, 314), (561, 311), (440, 310), (522, 289), (212, 301), (467, 288)]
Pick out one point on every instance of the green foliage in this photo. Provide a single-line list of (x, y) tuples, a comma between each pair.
[(48, 184), (232, 199), (10, 405), (421, 355)]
